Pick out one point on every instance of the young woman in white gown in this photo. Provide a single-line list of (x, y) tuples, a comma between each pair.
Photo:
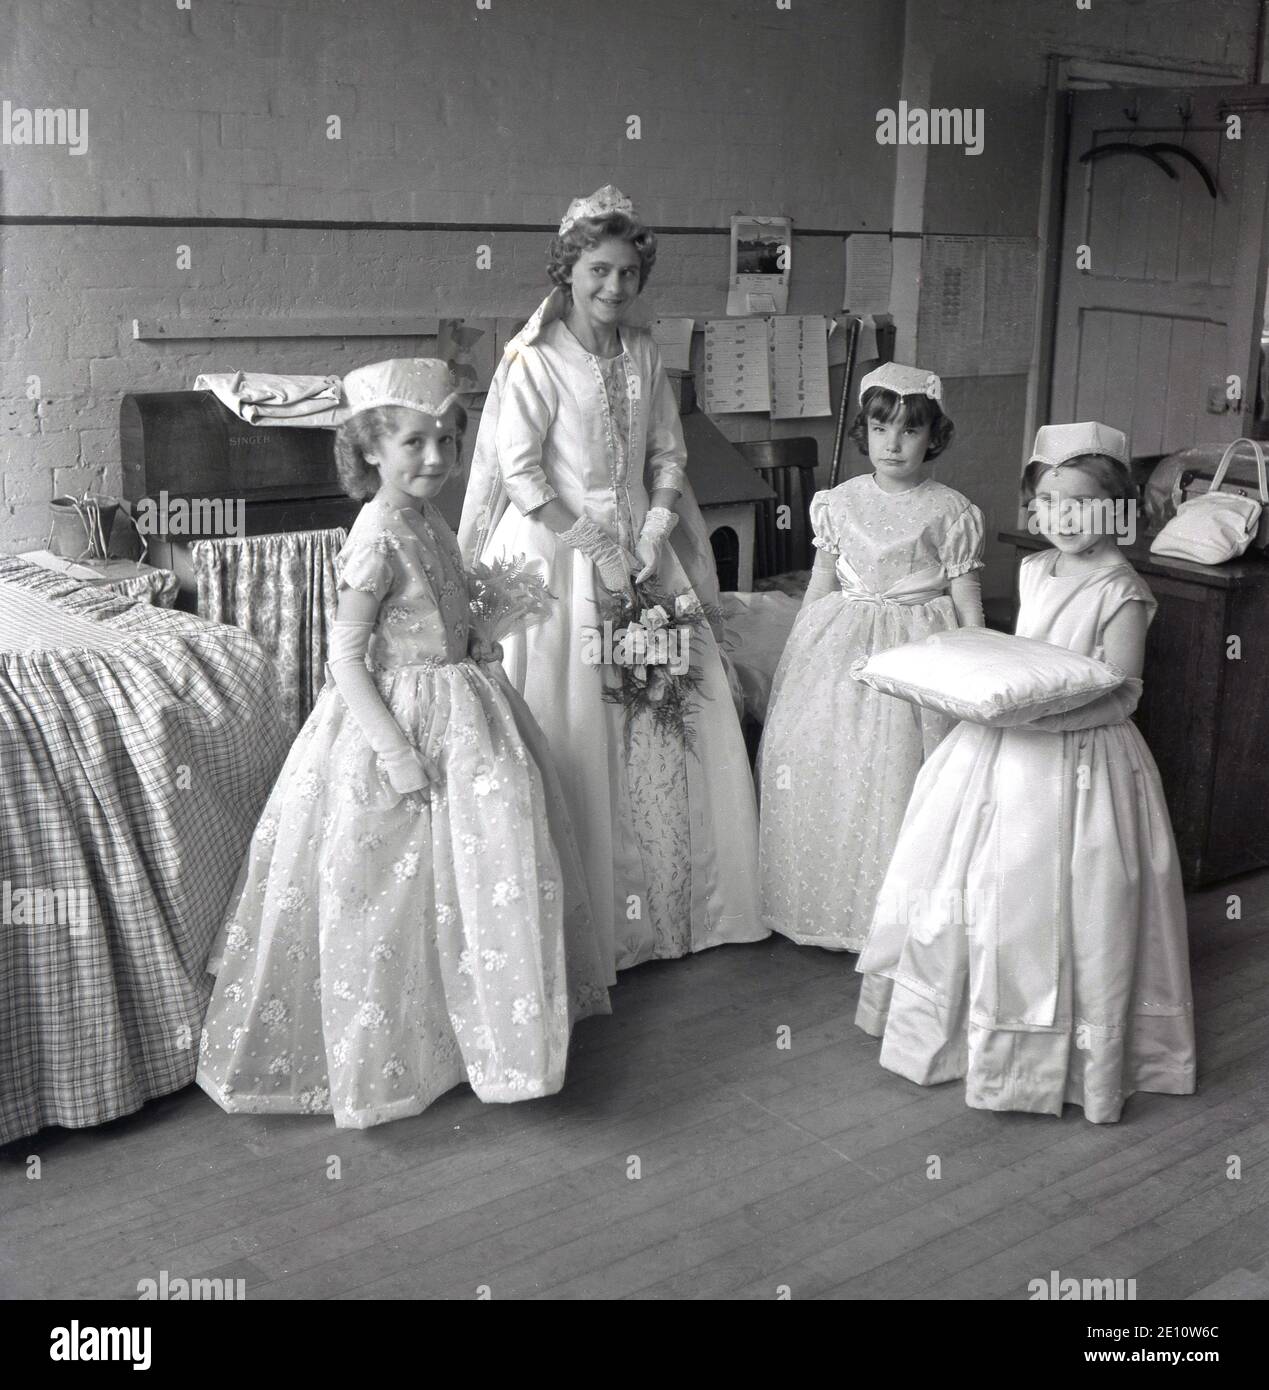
[(1030, 936), (580, 465)]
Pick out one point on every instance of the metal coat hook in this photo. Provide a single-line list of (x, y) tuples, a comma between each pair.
[(1186, 111), (1133, 112)]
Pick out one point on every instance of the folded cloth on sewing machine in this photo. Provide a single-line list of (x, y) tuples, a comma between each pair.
[(263, 398), (988, 677)]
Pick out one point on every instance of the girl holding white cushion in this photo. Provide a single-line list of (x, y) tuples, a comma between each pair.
[(1030, 934), (896, 558)]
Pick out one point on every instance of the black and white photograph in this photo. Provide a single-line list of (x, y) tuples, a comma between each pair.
[(634, 664)]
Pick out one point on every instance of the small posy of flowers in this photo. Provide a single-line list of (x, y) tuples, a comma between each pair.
[(505, 595), (484, 781), (648, 638)]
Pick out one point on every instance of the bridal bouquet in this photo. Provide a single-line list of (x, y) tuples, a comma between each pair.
[(504, 596), (647, 645)]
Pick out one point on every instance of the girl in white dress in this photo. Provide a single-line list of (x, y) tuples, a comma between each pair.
[(896, 555), (1030, 936), (580, 435), (411, 913)]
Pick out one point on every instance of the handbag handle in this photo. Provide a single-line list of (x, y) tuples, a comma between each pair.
[(1227, 458)]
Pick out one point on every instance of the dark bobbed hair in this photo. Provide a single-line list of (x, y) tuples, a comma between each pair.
[(882, 404), (360, 434), (1114, 478), (587, 232)]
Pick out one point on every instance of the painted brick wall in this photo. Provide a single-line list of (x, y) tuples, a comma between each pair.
[(449, 114)]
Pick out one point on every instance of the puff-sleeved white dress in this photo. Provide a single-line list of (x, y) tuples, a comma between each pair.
[(838, 759)]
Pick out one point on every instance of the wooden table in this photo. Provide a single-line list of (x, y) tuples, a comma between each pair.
[(1205, 710), (157, 585)]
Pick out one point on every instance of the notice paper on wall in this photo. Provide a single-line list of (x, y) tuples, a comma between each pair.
[(1009, 314), (737, 370), (869, 264), (761, 258), (977, 314), (799, 367), (674, 338)]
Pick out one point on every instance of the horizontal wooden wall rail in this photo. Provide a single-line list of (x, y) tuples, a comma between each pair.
[(362, 326)]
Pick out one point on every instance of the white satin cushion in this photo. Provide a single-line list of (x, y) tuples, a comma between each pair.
[(988, 677)]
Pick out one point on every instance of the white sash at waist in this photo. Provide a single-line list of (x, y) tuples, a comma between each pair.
[(919, 587)]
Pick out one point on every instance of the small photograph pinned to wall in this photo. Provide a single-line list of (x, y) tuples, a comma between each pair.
[(468, 345), (761, 258)]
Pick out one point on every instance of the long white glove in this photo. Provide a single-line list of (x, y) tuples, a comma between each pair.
[(407, 769), (612, 560), (967, 595), (1108, 709), (823, 579), (653, 534)]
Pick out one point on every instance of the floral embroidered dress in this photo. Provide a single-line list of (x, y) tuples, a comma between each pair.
[(380, 949), (668, 838), (838, 759)]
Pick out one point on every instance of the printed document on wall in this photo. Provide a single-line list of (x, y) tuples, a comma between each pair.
[(799, 367), (737, 372)]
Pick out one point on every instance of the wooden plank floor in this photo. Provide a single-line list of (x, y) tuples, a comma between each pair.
[(760, 1167)]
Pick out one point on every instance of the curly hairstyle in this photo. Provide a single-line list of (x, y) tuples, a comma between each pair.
[(918, 410), (587, 232), (360, 434), (1113, 478)]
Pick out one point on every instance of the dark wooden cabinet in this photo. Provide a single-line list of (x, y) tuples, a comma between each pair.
[(1205, 710)]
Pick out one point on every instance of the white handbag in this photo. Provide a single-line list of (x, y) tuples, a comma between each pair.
[(1216, 526)]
